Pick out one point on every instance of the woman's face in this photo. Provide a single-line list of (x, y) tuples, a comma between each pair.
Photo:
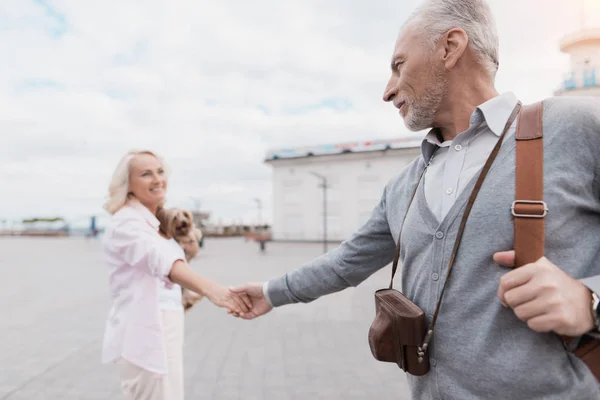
[(147, 181)]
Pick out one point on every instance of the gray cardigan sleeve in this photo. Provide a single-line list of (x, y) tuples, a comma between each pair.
[(362, 254)]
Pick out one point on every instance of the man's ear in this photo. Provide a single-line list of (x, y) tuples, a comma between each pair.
[(453, 44)]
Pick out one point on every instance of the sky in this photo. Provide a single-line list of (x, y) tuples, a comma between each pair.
[(212, 85)]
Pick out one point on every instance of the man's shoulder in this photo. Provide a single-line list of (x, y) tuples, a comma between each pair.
[(410, 174), (572, 110)]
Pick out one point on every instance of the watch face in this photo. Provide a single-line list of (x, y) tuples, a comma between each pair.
[(596, 304)]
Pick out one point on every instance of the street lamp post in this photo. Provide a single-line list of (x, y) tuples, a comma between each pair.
[(259, 206), (324, 186)]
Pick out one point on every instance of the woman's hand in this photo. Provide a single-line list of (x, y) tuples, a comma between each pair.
[(220, 296)]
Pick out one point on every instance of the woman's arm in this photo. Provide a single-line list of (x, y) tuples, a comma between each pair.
[(183, 275), (137, 244)]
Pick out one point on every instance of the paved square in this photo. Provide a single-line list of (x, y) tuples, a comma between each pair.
[(54, 301)]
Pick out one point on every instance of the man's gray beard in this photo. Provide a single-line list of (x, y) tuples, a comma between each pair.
[(422, 111)]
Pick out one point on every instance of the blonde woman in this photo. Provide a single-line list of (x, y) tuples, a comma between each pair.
[(142, 336)]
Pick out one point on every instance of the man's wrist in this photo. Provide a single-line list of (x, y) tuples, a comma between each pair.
[(265, 290)]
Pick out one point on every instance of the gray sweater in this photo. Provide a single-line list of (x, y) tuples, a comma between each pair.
[(480, 348)]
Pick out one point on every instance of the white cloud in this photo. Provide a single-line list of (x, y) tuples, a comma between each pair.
[(212, 85)]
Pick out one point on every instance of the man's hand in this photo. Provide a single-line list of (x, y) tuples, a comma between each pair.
[(260, 305), (238, 303), (545, 297)]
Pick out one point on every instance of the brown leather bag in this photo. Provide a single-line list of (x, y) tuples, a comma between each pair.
[(529, 211), (399, 328), (399, 333)]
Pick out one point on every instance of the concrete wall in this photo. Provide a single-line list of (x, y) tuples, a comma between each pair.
[(356, 182)]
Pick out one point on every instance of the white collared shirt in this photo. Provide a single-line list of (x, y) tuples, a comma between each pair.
[(139, 262), (456, 162)]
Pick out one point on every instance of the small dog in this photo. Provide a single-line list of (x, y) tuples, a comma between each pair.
[(178, 224), (175, 222)]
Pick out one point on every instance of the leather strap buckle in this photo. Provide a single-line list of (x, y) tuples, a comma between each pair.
[(530, 211)]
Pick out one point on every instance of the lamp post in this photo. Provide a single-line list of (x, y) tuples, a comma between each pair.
[(259, 206), (324, 186)]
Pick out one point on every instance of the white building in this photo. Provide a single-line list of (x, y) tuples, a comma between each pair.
[(583, 48), (355, 173)]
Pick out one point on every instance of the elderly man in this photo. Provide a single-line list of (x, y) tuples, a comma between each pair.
[(498, 332)]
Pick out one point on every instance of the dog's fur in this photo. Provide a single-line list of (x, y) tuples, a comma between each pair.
[(175, 222), (178, 224)]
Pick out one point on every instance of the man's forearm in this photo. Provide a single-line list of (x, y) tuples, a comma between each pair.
[(348, 265), (357, 258)]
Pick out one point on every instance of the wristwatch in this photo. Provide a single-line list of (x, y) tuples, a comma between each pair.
[(596, 311)]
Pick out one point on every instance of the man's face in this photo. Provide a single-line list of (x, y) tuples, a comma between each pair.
[(418, 83)]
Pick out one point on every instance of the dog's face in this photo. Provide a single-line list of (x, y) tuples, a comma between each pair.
[(183, 223), (175, 222)]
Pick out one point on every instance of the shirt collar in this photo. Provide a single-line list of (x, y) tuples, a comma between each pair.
[(494, 113), (145, 213)]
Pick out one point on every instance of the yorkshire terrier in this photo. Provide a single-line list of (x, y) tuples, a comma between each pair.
[(178, 224)]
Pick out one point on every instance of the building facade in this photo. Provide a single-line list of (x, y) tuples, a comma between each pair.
[(583, 79), (354, 174)]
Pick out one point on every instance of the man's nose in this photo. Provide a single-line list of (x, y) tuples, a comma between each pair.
[(390, 91)]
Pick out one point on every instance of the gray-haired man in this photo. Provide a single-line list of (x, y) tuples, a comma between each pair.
[(497, 335)]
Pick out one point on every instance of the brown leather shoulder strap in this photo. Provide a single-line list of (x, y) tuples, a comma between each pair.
[(529, 208)]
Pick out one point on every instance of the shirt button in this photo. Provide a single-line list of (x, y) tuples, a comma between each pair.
[(458, 147), (449, 191), (432, 362), (435, 276), (439, 234)]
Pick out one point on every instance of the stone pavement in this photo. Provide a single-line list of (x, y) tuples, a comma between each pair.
[(53, 304)]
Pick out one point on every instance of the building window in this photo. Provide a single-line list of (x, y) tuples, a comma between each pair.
[(569, 82), (589, 78)]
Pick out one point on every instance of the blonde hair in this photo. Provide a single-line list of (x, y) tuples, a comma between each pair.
[(118, 190)]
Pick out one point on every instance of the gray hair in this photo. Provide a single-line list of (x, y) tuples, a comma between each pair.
[(436, 17)]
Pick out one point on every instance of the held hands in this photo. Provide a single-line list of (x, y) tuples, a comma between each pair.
[(545, 297), (260, 305), (237, 303)]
